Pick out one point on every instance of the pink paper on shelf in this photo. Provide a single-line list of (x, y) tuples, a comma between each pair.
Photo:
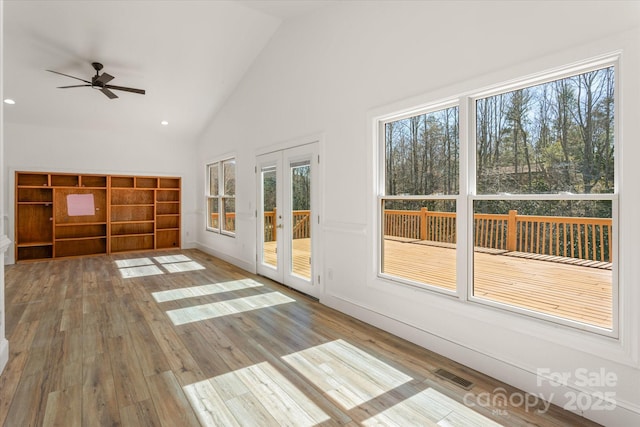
[(80, 204)]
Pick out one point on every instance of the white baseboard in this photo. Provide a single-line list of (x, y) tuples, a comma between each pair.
[(243, 264), (190, 245)]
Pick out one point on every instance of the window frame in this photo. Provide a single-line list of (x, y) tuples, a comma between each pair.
[(220, 196), (467, 193), (382, 196)]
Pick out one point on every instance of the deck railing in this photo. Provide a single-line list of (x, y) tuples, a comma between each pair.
[(230, 221), (301, 225), (301, 221), (571, 237)]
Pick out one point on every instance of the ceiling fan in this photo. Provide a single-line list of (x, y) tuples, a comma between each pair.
[(99, 81)]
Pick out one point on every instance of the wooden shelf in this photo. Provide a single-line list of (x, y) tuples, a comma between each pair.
[(32, 179), (34, 195), (65, 180), (128, 213), (93, 181), (169, 183), (80, 231), (121, 181), (132, 243), (146, 182), (125, 228), (73, 239), (31, 244), (80, 247), (169, 238), (34, 223), (36, 203), (32, 253), (167, 196)]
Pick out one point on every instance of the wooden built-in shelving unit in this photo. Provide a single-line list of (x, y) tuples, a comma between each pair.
[(128, 213)]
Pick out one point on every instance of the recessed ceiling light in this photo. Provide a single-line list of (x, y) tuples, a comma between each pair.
[(164, 123), (9, 101)]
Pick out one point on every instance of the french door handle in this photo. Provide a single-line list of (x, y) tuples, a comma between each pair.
[(279, 226)]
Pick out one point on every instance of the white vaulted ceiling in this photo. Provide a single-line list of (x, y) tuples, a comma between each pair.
[(188, 55)]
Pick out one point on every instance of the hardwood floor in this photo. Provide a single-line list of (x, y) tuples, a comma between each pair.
[(184, 339)]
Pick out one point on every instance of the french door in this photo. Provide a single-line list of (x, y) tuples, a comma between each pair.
[(287, 216)]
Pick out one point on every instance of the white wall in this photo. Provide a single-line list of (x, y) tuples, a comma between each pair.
[(4, 241), (36, 148), (331, 72)]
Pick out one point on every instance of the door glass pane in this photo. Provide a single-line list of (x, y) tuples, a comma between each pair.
[(301, 219), (269, 253)]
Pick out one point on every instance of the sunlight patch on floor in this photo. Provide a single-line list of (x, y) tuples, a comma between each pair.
[(139, 267), (181, 267), (171, 258), (257, 395), (134, 262), (197, 313), (143, 270), (202, 290), (347, 374), (429, 407)]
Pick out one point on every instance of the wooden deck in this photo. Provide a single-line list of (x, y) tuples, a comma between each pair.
[(560, 289)]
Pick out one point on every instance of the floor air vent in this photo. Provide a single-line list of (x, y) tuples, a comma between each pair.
[(451, 377)]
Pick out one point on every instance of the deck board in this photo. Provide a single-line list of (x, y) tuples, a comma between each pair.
[(564, 289)]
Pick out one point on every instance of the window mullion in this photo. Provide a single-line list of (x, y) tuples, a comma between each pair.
[(467, 182), (222, 215)]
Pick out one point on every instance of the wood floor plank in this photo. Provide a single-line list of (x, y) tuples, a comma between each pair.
[(9, 382), (170, 402), (149, 354), (64, 408), (94, 339), (129, 381), (250, 410), (140, 414), (210, 407), (28, 401), (274, 401), (210, 363), (99, 401), (179, 358)]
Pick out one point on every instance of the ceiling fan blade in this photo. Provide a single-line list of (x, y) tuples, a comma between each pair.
[(67, 87), (126, 89), (104, 78), (109, 94), (67, 75)]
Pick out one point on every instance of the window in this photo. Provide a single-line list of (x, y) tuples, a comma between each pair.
[(221, 191), (531, 220), (545, 198), (419, 202)]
